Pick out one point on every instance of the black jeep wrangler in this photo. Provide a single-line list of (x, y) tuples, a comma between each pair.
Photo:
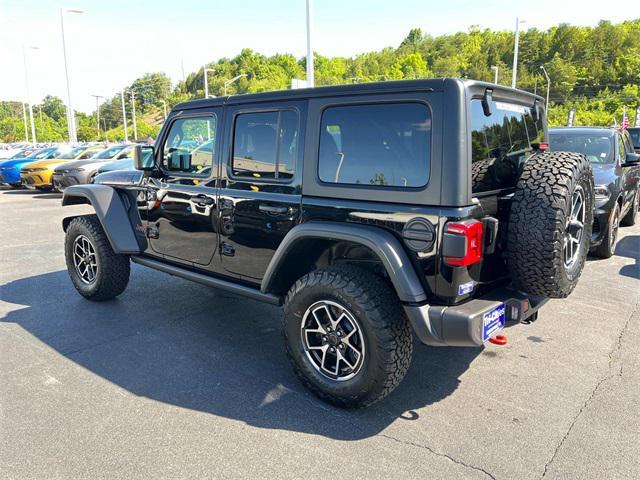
[(373, 212)]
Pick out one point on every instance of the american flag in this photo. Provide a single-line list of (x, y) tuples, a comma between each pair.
[(625, 120)]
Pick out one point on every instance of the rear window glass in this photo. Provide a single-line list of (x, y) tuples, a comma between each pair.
[(385, 145), (501, 142), (635, 136)]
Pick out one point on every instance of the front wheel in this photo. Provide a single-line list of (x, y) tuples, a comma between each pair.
[(630, 218), (97, 272), (608, 246), (347, 336)]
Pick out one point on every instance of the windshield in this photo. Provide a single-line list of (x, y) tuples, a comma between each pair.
[(71, 154), (40, 154), (597, 147), (110, 152), (501, 142), (635, 136), (22, 153)]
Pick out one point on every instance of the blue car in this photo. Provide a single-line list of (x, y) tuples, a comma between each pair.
[(10, 169)]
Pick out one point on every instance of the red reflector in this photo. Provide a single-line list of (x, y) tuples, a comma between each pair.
[(543, 146), (473, 232)]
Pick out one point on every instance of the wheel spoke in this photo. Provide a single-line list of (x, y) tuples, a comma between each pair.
[(342, 358)]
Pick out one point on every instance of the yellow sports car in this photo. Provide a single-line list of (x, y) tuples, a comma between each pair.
[(39, 175)]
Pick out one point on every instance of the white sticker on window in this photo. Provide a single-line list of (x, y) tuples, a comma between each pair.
[(510, 107)]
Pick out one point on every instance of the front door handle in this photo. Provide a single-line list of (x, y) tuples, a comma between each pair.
[(202, 200), (274, 209)]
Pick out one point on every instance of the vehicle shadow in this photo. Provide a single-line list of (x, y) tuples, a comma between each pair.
[(629, 247), (200, 349)]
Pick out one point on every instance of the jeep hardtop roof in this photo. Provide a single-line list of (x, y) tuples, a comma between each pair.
[(475, 87)]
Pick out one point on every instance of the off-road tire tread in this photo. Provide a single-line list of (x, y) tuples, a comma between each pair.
[(537, 222), (114, 271), (382, 308)]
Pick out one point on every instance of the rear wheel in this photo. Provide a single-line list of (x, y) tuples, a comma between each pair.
[(346, 335), (608, 246), (97, 272)]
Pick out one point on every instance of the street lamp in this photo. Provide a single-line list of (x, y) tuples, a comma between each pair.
[(206, 82), (310, 72), (229, 82), (164, 104), (124, 117), (133, 115), (98, 97), (515, 53), (24, 117), (26, 83), (71, 118), (544, 70), (495, 77)]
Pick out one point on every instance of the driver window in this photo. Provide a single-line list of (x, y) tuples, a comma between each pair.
[(191, 141)]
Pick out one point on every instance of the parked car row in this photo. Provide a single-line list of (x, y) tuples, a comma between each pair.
[(57, 167), (614, 157)]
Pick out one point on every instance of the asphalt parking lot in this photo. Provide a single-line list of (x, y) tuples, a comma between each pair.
[(174, 380)]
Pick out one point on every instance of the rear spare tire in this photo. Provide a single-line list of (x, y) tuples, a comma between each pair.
[(550, 224)]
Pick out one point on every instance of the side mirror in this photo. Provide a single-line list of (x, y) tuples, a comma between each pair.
[(179, 161), (143, 158), (631, 160)]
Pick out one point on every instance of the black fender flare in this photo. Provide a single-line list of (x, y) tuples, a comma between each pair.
[(112, 212), (386, 246)]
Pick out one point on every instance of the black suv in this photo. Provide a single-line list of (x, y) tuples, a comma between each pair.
[(616, 172), (373, 212)]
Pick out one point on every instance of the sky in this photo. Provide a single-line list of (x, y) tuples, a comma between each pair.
[(116, 41)]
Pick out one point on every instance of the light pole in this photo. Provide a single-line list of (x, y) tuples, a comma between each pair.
[(310, 72), (229, 82), (133, 115), (124, 117), (495, 76), (24, 117), (71, 118), (206, 82), (164, 104), (544, 70), (26, 83), (98, 97), (515, 53)]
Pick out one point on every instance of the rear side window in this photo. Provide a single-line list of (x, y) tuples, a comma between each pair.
[(501, 143), (387, 145), (265, 145)]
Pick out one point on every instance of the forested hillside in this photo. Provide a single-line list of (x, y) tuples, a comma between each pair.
[(595, 70)]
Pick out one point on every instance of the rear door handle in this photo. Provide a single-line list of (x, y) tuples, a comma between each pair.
[(279, 209), (202, 200)]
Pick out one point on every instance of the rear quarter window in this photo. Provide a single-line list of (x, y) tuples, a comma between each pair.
[(380, 145), (501, 143)]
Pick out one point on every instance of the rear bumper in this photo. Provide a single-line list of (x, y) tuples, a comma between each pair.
[(462, 325)]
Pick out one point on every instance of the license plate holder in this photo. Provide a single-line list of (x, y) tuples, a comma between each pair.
[(493, 321)]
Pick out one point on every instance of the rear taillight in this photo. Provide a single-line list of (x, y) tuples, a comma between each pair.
[(471, 232)]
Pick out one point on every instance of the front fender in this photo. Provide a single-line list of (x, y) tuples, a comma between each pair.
[(387, 247), (113, 212)]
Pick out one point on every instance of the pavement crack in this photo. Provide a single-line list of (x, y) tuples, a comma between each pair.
[(439, 454), (610, 375)]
